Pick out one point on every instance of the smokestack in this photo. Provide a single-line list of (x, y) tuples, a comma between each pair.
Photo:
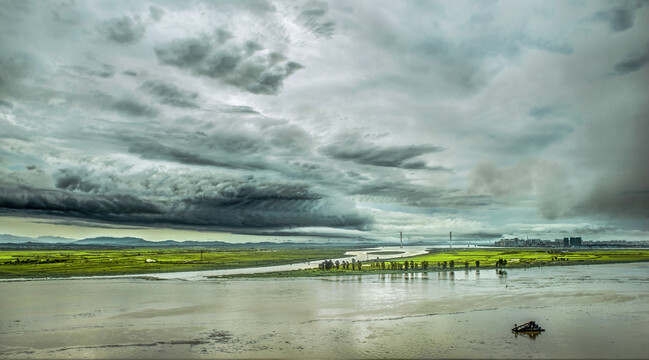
[(401, 238), (450, 238)]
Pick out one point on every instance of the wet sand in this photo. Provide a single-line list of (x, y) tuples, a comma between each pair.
[(597, 311)]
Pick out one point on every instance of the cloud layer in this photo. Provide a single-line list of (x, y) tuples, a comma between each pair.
[(327, 118)]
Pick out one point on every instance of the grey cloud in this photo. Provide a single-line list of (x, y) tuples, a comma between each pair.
[(314, 17), (240, 110), (244, 66), (130, 73), (11, 131), (152, 149), (184, 53), (632, 63), (620, 17), (5, 103), (530, 140), (353, 148), (13, 68), (616, 198), (133, 108), (401, 191), (622, 190), (548, 181), (156, 13), (122, 30), (228, 150), (103, 71), (542, 112), (290, 138), (548, 45), (170, 94)]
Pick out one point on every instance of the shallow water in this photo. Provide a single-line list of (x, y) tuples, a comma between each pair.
[(592, 311)]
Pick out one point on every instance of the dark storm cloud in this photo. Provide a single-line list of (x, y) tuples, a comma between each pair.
[(246, 66), (353, 148), (64, 203), (132, 107), (170, 94), (6, 104), (620, 17), (122, 30), (203, 202), (632, 63), (314, 17), (73, 181)]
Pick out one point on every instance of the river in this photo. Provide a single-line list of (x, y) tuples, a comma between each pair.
[(588, 311)]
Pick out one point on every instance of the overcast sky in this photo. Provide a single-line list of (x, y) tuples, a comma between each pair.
[(344, 118)]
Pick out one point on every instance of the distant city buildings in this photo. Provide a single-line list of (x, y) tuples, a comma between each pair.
[(573, 241)]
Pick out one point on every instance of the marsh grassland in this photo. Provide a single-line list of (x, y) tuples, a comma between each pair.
[(445, 259), (64, 263), (35, 264)]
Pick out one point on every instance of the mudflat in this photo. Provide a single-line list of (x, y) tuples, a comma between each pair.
[(588, 312)]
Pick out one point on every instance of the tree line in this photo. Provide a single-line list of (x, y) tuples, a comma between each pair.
[(397, 265)]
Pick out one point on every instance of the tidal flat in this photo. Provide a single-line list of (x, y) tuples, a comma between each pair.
[(589, 311)]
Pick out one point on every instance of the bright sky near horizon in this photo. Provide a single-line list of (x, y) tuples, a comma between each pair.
[(262, 120)]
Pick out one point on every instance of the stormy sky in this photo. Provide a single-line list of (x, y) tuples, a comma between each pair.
[(353, 119)]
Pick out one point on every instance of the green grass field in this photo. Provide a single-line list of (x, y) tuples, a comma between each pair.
[(531, 257), (15, 264), (516, 258)]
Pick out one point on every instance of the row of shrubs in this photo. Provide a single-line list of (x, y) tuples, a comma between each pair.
[(34, 261)]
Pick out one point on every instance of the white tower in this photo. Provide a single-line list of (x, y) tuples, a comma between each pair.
[(401, 238)]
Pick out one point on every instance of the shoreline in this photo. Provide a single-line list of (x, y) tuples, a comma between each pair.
[(314, 273)]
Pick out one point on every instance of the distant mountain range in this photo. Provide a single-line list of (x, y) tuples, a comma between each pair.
[(12, 241)]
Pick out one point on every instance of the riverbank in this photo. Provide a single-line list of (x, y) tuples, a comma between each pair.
[(255, 263), (443, 260)]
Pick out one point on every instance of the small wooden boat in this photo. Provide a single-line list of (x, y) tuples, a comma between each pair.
[(527, 327)]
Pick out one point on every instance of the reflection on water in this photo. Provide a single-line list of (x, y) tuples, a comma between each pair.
[(528, 334), (588, 311)]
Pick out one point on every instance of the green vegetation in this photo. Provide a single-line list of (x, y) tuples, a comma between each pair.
[(513, 258), (48, 263), (443, 260)]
